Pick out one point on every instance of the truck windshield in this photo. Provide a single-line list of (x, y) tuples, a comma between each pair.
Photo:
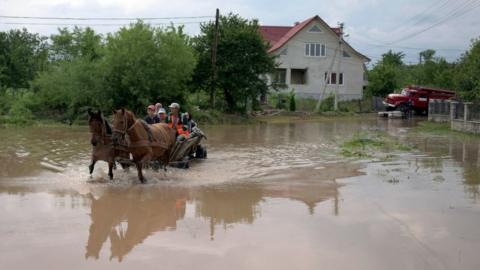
[(405, 93)]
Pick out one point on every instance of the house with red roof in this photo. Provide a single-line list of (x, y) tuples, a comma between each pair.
[(315, 61)]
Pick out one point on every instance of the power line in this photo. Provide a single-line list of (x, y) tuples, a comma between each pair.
[(456, 13), (425, 16), (406, 47), (94, 24), (104, 18), (422, 15)]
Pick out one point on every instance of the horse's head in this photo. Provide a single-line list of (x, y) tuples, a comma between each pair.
[(122, 121), (96, 124)]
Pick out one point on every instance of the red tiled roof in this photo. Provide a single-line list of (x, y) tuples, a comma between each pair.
[(278, 36), (289, 34), (273, 34)]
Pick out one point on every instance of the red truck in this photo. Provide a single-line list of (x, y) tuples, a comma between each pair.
[(416, 98)]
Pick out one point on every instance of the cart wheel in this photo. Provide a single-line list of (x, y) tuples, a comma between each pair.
[(201, 152)]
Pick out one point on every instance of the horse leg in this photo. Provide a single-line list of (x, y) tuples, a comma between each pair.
[(110, 169), (140, 174), (92, 165)]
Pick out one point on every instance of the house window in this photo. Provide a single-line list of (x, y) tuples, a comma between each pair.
[(334, 78), (298, 76), (346, 54), (280, 76), (315, 49), (315, 29)]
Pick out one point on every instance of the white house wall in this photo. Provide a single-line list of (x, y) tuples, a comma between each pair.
[(351, 67)]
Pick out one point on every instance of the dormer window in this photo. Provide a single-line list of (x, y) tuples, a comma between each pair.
[(315, 29), (315, 50)]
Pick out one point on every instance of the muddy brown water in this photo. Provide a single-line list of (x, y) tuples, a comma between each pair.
[(270, 196)]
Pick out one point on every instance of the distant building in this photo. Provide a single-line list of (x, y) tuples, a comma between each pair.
[(310, 60)]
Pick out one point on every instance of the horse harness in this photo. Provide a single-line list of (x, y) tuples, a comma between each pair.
[(150, 142), (104, 135)]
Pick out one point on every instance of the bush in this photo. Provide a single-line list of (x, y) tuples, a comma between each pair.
[(327, 104), (363, 105), (278, 100), (19, 112), (292, 103), (198, 100), (218, 117)]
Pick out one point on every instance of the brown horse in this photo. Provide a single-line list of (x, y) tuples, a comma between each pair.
[(101, 141), (147, 142)]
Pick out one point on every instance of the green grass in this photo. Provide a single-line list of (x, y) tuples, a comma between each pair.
[(214, 117), (370, 145), (441, 129), (433, 127)]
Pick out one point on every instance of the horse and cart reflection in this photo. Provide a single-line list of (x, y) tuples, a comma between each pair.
[(130, 141)]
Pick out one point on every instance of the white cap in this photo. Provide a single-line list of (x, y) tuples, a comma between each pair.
[(161, 110), (174, 105)]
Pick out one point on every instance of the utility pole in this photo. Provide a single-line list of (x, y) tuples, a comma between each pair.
[(327, 80), (340, 43), (214, 61)]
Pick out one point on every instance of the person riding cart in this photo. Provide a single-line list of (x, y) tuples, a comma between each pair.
[(152, 117), (174, 120)]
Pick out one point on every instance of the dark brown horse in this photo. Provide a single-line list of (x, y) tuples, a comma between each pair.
[(147, 142), (101, 141)]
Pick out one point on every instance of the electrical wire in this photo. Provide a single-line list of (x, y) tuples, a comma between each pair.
[(104, 18), (456, 13), (94, 24)]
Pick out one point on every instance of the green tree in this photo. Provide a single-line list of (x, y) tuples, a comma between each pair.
[(143, 65), (393, 58), (68, 45), (69, 87), (242, 61), (386, 76), (74, 79), (426, 55), (22, 55), (467, 75)]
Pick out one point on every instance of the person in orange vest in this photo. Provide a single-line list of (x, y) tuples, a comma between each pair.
[(174, 120)]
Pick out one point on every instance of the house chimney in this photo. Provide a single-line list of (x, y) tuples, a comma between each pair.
[(296, 23)]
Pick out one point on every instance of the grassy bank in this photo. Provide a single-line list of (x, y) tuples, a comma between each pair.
[(282, 100), (441, 129), (371, 145), (207, 117)]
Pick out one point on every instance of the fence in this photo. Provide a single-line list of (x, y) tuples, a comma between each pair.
[(473, 112), (459, 110), (439, 110), (463, 116)]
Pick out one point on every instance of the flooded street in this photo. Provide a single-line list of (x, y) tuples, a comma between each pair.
[(269, 196)]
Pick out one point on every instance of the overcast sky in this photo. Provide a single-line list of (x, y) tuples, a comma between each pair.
[(370, 24)]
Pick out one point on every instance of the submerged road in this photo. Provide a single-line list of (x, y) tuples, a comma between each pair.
[(270, 196)]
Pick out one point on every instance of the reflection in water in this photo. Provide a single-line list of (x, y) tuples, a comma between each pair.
[(228, 204), (128, 216), (275, 183), (441, 149), (464, 150)]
